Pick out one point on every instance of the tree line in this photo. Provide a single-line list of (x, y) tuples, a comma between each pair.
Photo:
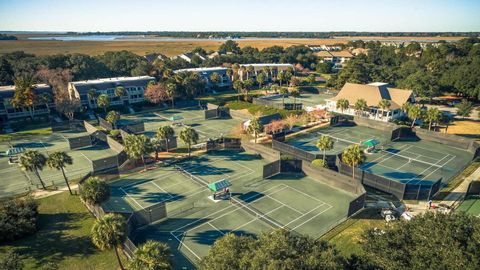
[(429, 71)]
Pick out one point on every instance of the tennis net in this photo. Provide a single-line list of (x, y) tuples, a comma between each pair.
[(191, 176), (256, 213), (337, 139), (410, 159)]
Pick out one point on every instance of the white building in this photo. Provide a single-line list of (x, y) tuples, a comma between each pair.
[(372, 93), (7, 111), (134, 90)]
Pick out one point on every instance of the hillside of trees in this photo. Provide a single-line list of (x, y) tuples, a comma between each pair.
[(234, 34), (429, 71)]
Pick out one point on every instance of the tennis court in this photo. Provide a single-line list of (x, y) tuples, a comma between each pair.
[(342, 137), (471, 205), (296, 203), (16, 181), (174, 184), (306, 98), (190, 116), (409, 162)]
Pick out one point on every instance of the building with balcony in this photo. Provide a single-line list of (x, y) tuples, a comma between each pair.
[(8, 111)]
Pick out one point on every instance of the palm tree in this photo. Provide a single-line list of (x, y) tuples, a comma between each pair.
[(152, 255), (171, 87), (92, 94), (165, 133), (46, 99), (119, 91), (360, 105), (59, 160), (283, 92), (33, 161), (215, 78), (261, 80), (353, 156), (414, 113), (230, 73), (406, 107), (384, 104), (432, 115), (325, 143), (238, 86), (103, 101), (280, 77), (189, 136), (250, 69), (109, 232), (295, 93), (112, 117), (243, 70), (137, 146), (255, 127), (267, 71), (342, 104)]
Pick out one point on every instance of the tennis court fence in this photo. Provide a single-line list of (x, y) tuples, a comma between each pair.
[(293, 151)]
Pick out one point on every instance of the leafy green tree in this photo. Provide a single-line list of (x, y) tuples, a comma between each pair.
[(464, 108), (247, 86), (120, 91), (229, 46), (24, 95), (103, 101), (433, 115), (18, 218), (109, 232), (325, 67), (428, 241), (152, 255), (414, 113), (189, 136), (384, 104), (360, 106), (342, 104), (11, 261), (171, 89), (137, 146), (94, 191), (325, 143), (165, 133), (33, 161), (311, 78), (255, 127), (281, 77), (112, 117), (58, 161), (279, 249), (353, 156)]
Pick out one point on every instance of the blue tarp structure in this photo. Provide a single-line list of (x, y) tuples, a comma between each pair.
[(219, 185)]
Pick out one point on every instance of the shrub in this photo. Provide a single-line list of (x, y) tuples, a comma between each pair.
[(114, 133), (18, 218), (94, 191), (11, 261), (319, 163)]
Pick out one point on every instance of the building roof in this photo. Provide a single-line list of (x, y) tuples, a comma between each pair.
[(202, 69), (9, 90), (373, 93), (12, 87), (267, 65), (106, 83), (343, 53)]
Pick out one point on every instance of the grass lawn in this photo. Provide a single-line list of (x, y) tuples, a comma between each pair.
[(26, 133), (254, 109), (347, 236), (468, 128), (63, 238)]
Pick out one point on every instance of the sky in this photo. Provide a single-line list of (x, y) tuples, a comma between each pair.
[(240, 15)]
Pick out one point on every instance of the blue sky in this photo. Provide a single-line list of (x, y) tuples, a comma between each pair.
[(240, 15)]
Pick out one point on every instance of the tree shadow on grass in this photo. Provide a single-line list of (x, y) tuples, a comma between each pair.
[(56, 239)]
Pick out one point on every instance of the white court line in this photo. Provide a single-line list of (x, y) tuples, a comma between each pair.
[(162, 189), (215, 228), (301, 224), (418, 180), (291, 221), (298, 211), (128, 195), (257, 218), (182, 244), (434, 170), (379, 163)]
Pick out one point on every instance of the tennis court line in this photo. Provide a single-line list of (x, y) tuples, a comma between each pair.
[(434, 170), (256, 218), (211, 225), (380, 157), (128, 195), (301, 224)]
